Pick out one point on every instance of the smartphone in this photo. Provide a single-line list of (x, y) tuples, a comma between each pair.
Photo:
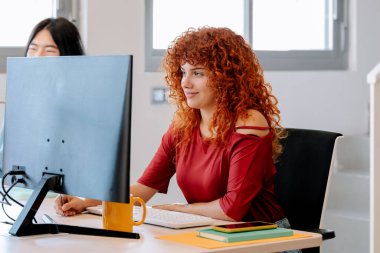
[(245, 226)]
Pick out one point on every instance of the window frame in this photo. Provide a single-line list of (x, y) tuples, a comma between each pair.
[(68, 9), (292, 60)]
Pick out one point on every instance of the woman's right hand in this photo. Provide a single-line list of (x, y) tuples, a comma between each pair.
[(67, 205)]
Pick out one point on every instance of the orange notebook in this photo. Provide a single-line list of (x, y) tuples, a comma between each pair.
[(191, 238)]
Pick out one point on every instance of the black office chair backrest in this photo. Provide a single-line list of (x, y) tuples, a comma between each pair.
[(303, 170)]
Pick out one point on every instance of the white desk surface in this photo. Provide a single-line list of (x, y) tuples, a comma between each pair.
[(70, 243)]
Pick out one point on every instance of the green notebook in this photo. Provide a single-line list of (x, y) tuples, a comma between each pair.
[(244, 236)]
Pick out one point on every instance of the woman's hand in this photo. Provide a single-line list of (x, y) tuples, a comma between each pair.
[(210, 209), (67, 205), (178, 207)]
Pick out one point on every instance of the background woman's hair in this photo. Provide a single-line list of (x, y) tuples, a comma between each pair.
[(235, 75), (64, 33)]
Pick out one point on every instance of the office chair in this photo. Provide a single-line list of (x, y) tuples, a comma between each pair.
[(301, 181)]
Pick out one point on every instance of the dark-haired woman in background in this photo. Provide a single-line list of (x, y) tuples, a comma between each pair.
[(50, 37), (54, 37)]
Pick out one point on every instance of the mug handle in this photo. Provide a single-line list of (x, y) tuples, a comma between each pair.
[(137, 199)]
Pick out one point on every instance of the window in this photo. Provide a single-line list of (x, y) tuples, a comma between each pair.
[(17, 19), (285, 34)]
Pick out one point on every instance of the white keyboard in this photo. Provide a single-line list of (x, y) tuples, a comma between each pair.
[(164, 218)]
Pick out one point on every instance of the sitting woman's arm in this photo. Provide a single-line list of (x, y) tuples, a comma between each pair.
[(142, 191), (211, 209), (67, 205)]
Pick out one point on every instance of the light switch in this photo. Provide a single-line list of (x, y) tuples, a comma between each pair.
[(159, 95)]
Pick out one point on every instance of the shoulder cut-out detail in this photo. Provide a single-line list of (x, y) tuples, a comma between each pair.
[(253, 127), (254, 124)]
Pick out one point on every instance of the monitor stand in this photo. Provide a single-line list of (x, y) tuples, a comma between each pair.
[(24, 225)]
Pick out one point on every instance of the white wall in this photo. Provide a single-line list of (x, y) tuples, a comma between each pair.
[(328, 100)]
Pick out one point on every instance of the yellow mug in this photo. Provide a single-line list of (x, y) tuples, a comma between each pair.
[(119, 216)]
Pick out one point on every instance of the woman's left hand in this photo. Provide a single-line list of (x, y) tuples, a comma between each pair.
[(178, 207), (210, 209)]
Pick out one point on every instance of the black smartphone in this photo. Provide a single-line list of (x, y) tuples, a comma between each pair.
[(245, 226)]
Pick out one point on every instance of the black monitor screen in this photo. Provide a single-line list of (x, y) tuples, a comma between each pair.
[(71, 116)]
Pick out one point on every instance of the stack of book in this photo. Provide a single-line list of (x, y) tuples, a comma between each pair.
[(244, 236)]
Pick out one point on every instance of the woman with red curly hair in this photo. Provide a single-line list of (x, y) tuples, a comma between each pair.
[(224, 137)]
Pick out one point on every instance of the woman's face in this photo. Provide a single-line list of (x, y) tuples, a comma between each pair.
[(43, 45), (199, 94)]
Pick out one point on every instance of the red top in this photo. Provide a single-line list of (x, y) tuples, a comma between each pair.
[(240, 175)]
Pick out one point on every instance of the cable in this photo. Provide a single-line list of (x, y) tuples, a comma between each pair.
[(4, 200), (6, 192), (7, 222), (5, 212), (4, 197)]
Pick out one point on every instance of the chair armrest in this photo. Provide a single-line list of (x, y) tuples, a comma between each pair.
[(326, 233)]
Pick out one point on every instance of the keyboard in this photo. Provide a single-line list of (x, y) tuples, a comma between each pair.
[(164, 218)]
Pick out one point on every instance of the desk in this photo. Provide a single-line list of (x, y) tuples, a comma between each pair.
[(70, 243)]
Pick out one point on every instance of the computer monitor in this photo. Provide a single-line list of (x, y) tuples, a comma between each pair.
[(67, 129)]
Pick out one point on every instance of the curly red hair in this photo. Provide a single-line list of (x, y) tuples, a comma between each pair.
[(235, 75)]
